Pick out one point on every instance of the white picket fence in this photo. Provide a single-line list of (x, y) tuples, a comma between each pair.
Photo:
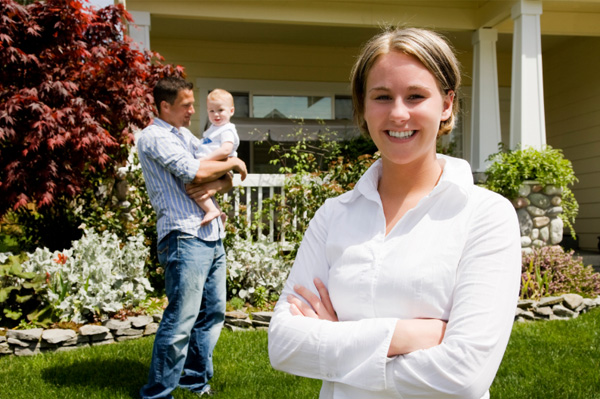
[(256, 189)]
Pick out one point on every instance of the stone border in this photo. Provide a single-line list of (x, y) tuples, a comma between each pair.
[(37, 340), (564, 307)]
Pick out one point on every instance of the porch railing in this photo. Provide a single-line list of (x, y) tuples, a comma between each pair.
[(248, 197)]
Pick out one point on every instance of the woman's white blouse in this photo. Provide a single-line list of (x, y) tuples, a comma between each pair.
[(455, 256)]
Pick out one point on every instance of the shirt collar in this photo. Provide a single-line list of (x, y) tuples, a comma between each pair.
[(166, 125), (456, 175)]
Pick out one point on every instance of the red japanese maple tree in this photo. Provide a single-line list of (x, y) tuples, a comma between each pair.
[(73, 88)]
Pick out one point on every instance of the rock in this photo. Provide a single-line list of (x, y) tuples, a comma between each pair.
[(538, 243), (56, 335), (26, 335), (2, 338), (30, 350), (561, 311), (554, 211), (552, 190), (157, 317), (545, 234), (525, 241), (18, 342), (256, 324), (556, 201), (550, 300), (536, 188), (541, 221), (556, 231), (520, 202), (262, 316), (535, 211), (236, 314), (151, 329), (524, 190), (525, 303), (527, 315), (539, 200), (90, 329), (525, 222), (140, 321), (128, 332), (5, 349), (244, 323), (545, 311), (572, 301), (105, 342), (113, 324), (535, 234)]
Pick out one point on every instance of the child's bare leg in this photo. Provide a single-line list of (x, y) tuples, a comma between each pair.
[(211, 210)]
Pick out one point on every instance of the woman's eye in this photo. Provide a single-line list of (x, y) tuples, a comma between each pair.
[(382, 97), (415, 97)]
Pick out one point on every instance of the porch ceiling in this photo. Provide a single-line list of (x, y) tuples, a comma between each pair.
[(166, 27), (560, 17)]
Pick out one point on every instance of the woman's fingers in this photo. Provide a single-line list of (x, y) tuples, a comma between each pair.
[(320, 308), (325, 299), (299, 308)]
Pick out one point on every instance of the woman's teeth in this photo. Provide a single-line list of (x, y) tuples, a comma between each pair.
[(401, 135)]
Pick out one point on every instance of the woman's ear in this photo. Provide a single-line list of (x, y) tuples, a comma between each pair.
[(447, 105)]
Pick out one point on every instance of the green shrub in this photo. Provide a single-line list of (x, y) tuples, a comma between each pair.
[(509, 169), (550, 271), (98, 276), (255, 270), (21, 295)]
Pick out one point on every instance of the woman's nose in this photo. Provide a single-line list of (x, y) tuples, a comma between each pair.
[(399, 111)]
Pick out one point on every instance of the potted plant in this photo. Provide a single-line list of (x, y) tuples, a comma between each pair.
[(509, 169)]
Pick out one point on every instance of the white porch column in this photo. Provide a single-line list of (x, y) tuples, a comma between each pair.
[(485, 106), (139, 31), (527, 122)]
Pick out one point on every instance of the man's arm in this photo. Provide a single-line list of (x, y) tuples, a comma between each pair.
[(202, 191), (212, 170)]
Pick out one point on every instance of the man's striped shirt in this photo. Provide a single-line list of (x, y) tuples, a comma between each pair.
[(166, 156)]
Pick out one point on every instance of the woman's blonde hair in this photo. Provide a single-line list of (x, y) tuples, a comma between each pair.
[(429, 47)]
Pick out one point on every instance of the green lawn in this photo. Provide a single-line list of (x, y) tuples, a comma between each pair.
[(558, 359)]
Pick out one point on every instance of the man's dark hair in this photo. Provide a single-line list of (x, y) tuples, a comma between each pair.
[(167, 89)]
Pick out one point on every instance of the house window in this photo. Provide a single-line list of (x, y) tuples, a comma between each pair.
[(291, 107), (275, 109)]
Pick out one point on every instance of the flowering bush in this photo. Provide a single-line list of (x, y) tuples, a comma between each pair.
[(255, 267), (97, 276), (549, 271)]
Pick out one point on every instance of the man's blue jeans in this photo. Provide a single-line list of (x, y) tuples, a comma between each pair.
[(191, 324)]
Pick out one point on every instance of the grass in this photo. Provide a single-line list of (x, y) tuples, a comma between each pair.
[(558, 359)]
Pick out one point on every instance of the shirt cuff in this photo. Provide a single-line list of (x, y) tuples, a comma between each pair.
[(355, 352)]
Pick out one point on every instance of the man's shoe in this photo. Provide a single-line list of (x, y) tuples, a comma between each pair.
[(207, 391)]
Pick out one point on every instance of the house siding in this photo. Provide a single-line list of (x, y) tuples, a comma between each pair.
[(572, 95)]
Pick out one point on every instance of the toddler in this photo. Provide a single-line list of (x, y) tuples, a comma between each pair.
[(220, 141)]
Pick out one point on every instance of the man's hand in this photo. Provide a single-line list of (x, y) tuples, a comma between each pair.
[(240, 167), (202, 191), (213, 170)]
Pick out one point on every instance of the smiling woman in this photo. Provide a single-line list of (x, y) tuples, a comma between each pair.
[(383, 300)]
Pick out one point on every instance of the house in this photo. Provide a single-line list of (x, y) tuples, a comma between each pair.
[(530, 70)]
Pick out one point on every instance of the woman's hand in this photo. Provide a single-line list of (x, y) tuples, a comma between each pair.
[(319, 308)]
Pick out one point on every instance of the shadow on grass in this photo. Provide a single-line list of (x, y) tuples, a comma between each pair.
[(126, 376)]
